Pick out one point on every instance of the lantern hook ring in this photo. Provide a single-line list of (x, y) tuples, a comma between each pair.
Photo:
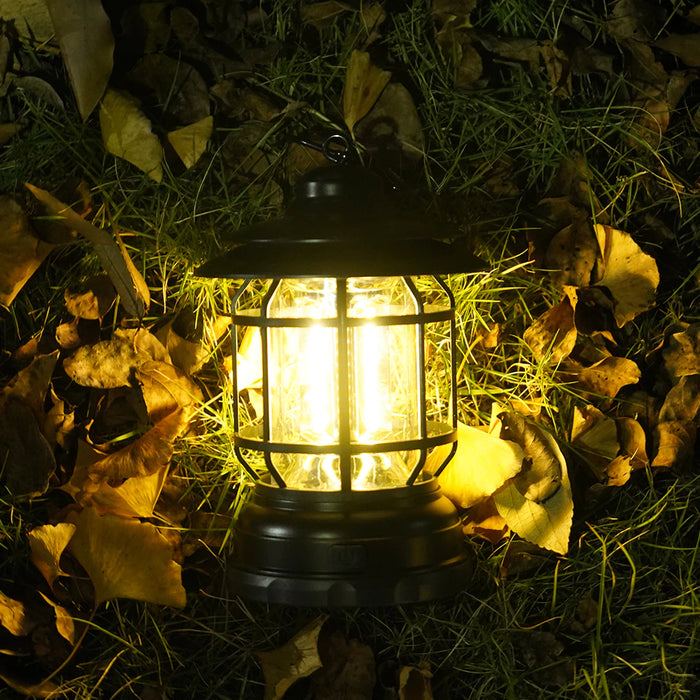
[(337, 148)]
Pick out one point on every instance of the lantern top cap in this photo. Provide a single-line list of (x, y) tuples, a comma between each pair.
[(342, 224)]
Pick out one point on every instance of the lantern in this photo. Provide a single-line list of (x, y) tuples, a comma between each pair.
[(356, 333)]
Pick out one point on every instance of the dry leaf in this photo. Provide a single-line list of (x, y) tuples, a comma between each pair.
[(30, 16), (84, 34), (165, 389), (481, 465), (14, 616), (675, 444), (605, 377), (8, 131), (322, 14), (296, 659), (127, 281), (94, 302), (364, 83), (682, 402), (21, 252), (135, 498), (628, 272), (45, 689), (414, 683), (348, 669), (685, 46), (189, 355), (572, 254), (191, 141), (553, 334), (31, 384), (126, 558), (682, 353), (111, 363), (127, 133), (64, 622), (595, 434), (537, 504), (143, 457), (484, 520), (47, 543)]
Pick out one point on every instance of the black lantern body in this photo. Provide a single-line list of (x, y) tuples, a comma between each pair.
[(355, 328)]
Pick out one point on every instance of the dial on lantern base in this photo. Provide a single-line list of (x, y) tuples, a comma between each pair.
[(346, 549)]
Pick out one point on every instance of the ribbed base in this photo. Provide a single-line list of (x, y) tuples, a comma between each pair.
[(361, 548)]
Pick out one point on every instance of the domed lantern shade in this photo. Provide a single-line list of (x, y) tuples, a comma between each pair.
[(356, 332)]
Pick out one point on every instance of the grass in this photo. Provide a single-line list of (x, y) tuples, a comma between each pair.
[(618, 616)]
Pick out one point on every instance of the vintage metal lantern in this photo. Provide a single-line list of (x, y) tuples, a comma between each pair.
[(357, 347)]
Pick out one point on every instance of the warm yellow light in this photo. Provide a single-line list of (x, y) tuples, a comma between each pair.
[(381, 380)]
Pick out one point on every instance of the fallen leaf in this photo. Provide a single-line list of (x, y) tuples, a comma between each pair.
[(84, 33), (127, 133), (191, 141), (605, 377), (21, 252), (126, 558), (45, 689), (523, 558), (146, 456), (94, 302), (572, 255), (296, 659), (135, 498), (322, 14), (364, 83), (166, 389), (685, 46), (31, 384), (14, 616), (633, 441), (537, 504), (675, 445), (348, 668), (682, 353), (414, 683), (595, 434), (8, 131), (682, 402), (111, 363), (484, 520), (47, 543), (482, 464), (191, 355), (64, 622), (630, 19), (31, 17), (552, 335), (126, 280), (26, 457)]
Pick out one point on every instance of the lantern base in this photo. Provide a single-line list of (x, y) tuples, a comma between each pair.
[(347, 549)]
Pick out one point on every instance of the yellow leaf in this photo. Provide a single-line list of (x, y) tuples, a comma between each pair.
[(47, 543), (605, 377), (14, 617), (482, 464), (126, 558), (29, 15), (135, 498), (191, 141), (126, 133), (64, 622), (364, 83), (296, 659), (539, 508), (629, 273), (414, 683), (553, 334), (165, 389)]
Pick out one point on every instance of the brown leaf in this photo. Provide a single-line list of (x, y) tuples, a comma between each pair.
[(127, 134), (393, 120), (604, 378), (111, 363), (322, 14), (84, 34), (296, 659), (484, 520), (414, 683), (143, 457), (47, 543), (166, 389), (135, 498), (685, 46), (14, 616), (31, 384), (572, 255), (595, 434), (682, 353), (553, 334), (675, 444), (127, 281), (94, 302), (364, 83), (126, 558), (21, 252), (682, 402), (64, 622), (190, 355), (348, 669)]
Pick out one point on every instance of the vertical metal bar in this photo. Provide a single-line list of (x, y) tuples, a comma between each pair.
[(453, 352), (420, 368), (265, 343), (343, 369)]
